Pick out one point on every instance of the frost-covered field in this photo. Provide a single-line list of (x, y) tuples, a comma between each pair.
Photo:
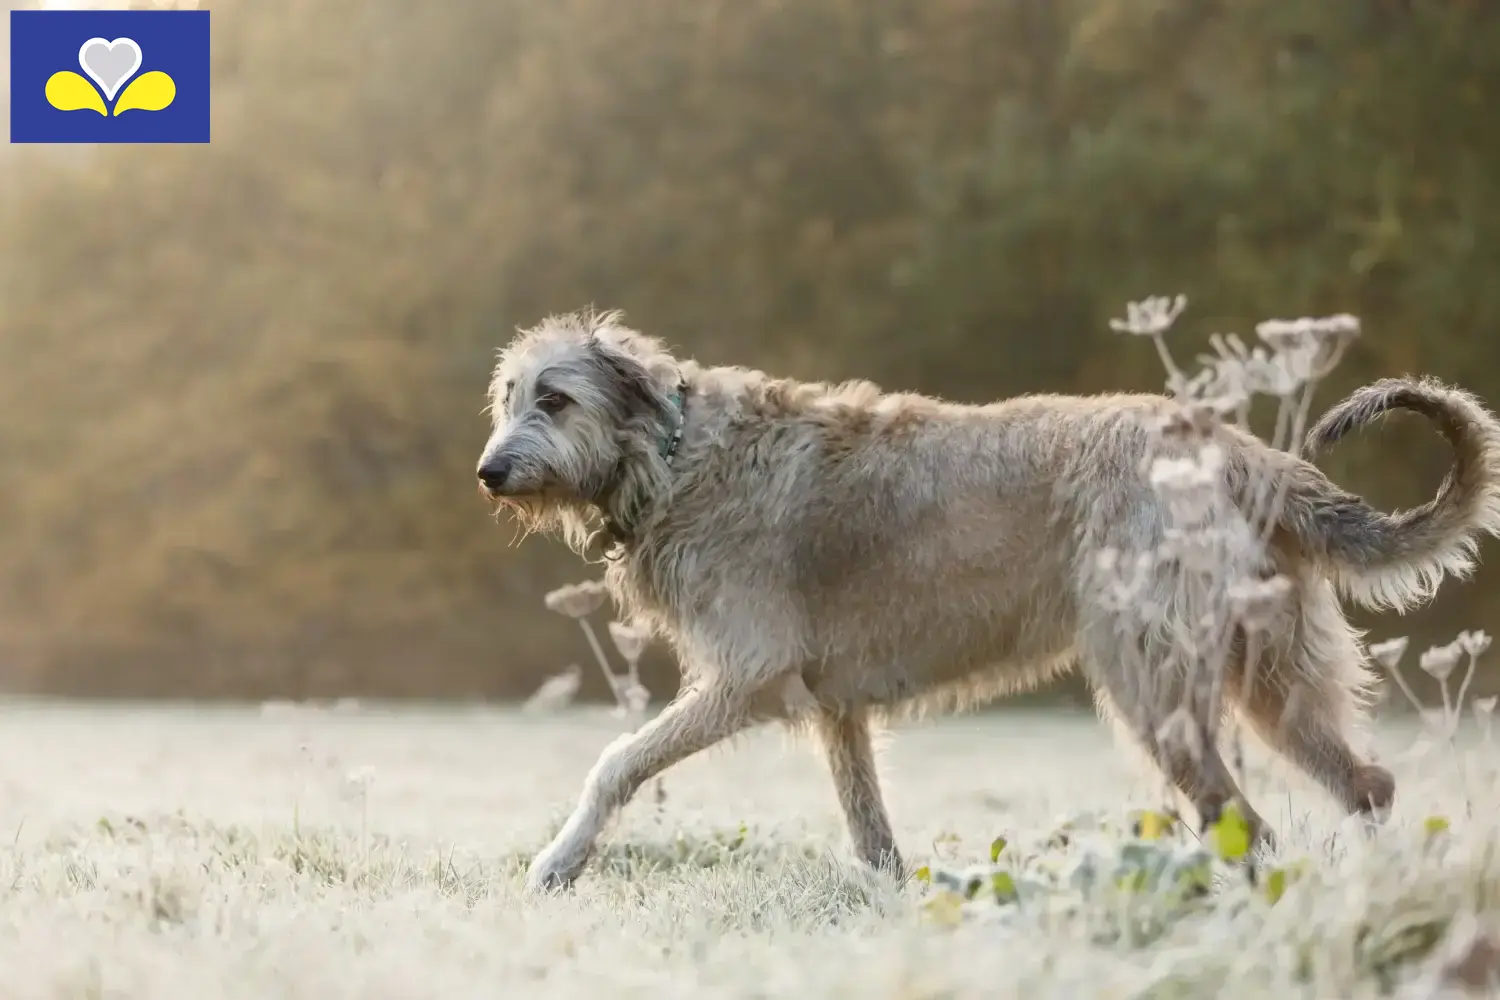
[(170, 853)]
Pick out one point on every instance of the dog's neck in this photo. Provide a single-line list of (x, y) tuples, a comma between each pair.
[(621, 518)]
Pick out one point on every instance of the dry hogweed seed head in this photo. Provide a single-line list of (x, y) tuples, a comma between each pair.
[(577, 600), (1280, 333), (556, 692), (1222, 387), (1121, 584), (1177, 425), (1288, 371), (1388, 653), (1440, 661), (1259, 604), (629, 640), (1262, 374), (1151, 316), (1189, 485), (1310, 346), (1188, 472), (1205, 551), (1474, 643), (1484, 714)]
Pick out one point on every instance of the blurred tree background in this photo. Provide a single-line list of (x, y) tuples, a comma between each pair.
[(241, 383)]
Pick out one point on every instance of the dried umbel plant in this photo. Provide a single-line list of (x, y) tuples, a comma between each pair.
[(1440, 663), (1153, 317), (1473, 645), (578, 601), (556, 692), (1150, 317), (1484, 714), (1388, 654), (631, 641), (1227, 584)]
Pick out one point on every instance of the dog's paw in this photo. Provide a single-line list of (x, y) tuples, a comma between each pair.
[(551, 873), (547, 883), (888, 863)]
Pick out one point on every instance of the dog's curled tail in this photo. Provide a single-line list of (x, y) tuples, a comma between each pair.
[(1398, 560)]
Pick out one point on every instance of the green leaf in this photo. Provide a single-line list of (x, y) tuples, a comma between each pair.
[(923, 874), (1434, 825), (1194, 878), (1152, 825), (1275, 885), (1230, 834), (996, 846), (1131, 881), (946, 909), (1004, 886)]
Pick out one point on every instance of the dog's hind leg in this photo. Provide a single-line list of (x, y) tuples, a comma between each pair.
[(1303, 701), (699, 718), (1294, 719), (1170, 721), (851, 760)]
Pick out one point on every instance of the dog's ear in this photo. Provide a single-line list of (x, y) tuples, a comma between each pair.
[(647, 351), (638, 389)]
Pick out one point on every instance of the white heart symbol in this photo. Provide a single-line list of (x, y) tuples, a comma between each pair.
[(110, 64)]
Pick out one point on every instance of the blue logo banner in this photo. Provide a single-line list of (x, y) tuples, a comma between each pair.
[(109, 76)]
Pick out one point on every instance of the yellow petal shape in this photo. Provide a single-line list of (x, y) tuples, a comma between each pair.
[(150, 92), (67, 91)]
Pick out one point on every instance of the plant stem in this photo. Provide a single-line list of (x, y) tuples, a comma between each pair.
[(609, 675), (1463, 689), (1411, 696)]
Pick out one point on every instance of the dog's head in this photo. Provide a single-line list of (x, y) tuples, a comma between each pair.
[(579, 403)]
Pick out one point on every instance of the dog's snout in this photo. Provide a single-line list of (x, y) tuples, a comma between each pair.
[(494, 472)]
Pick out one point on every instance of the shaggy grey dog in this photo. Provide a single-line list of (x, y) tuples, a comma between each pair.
[(825, 554)]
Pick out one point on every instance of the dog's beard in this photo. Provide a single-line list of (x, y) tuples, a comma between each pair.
[(530, 512), (543, 514)]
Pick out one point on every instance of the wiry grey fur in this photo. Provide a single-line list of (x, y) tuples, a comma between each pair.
[(823, 554)]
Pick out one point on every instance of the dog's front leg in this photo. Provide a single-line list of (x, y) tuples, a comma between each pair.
[(851, 761), (696, 720)]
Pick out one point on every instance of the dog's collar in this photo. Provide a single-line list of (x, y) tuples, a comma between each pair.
[(669, 444), (617, 532)]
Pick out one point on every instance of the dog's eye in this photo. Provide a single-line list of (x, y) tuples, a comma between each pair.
[(551, 402)]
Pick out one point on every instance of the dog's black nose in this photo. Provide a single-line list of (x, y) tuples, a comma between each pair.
[(494, 472)]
